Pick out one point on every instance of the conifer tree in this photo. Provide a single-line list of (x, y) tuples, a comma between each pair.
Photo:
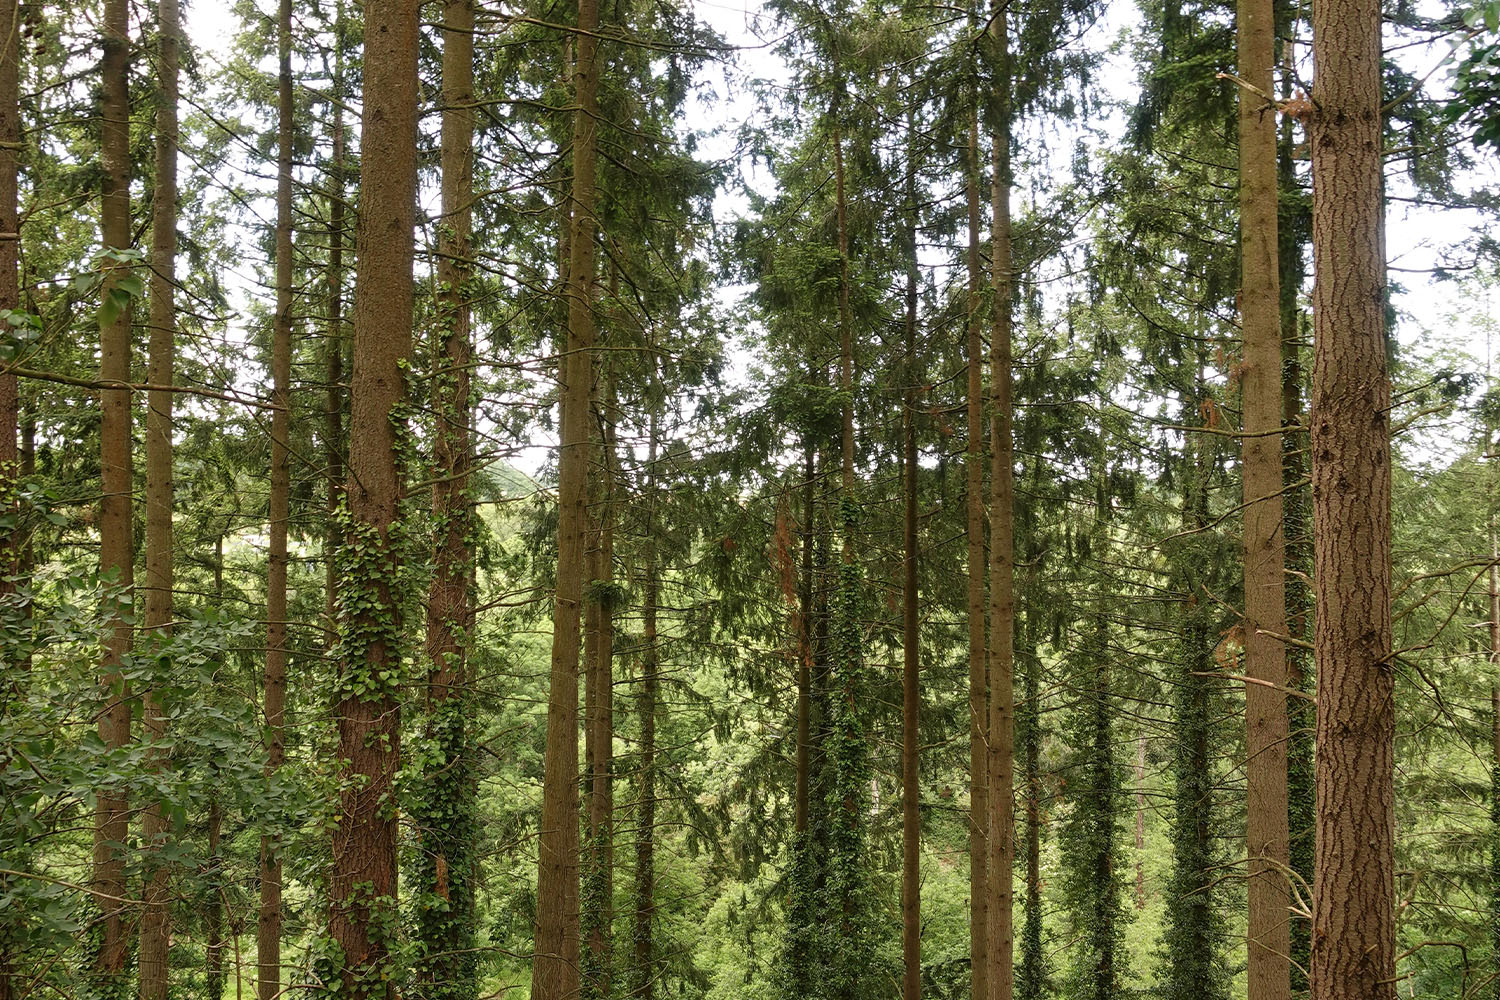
[(1353, 933), (364, 921)]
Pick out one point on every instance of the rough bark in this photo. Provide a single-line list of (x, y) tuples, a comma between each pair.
[(443, 810), (643, 932), (268, 922), (805, 641), (555, 967), (116, 541), (12, 545), (1002, 709), (333, 357), (155, 916), (1353, 946), (364, 920), (1266, 832), (979, 811), (911, 665), (213, 910), (598, 882)]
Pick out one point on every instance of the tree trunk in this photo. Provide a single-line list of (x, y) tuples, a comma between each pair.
[(1291, 235), (155, 917), (911, 661), (599, 724), (333, 358), (1266, 834), (116, 539), (12, 545), (444, 808), (213, 916), (805, 640), (1353, 946), (1002, 709), (268, 925), (364, 919), (555, 968), (645, 844), (979, 811)]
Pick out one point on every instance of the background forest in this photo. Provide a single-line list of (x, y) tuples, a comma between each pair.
[(648, 499)]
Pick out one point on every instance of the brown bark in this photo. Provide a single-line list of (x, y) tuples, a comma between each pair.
[(116, 541), (804, 616), (155, 917), (599, 721), (333, 359), (979, 812), (1264, 539), (911, 665), (268, 924), (1353, 946), (645, 844), (443, 966), (213, 916), (1002, 707), (12, 546), (364, 920), (448, 594), (555, 966), (846, 315), (1140, 822)]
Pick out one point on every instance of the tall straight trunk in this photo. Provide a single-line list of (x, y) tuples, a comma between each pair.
[(555, 968), (333, 356), (444, 808), (1195, 930), (1140, 821), (213, 868), (911, 660), (979, 811), (364, 917), (1291, 236), (1032, 972), (12, 545), (643, 933), (805, 640), (213, 910), (1494, 661), (116, 541), (1002, 708), (156, 917), (1264, 541), (598, 884), (1353, 945), (268, 923)]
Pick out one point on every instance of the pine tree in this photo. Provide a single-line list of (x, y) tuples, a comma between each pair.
[(363, 921), (1353, 935)]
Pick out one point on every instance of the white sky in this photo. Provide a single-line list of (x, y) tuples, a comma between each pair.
[(1418, 238)]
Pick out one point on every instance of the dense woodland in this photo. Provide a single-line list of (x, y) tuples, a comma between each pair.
[(831, 500)]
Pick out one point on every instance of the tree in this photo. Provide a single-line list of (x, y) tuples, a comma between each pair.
[(363, 921), (268, 923), (155, 829), (1353, 942), (555, 969), (1266, 734), (116, 532), (445, 808)]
